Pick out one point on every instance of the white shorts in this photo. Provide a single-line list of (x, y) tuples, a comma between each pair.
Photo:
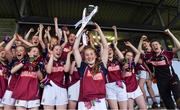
[(73, 91), (114, 92), (142, 74), (97, 105), (1, 105), (54, 95), (7, 98), (135, 94), (27, 104)]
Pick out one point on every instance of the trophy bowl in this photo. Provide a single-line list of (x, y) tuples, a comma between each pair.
[(90, 25)]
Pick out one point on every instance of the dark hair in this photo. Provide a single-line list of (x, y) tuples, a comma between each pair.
[(146, 40), (129, 51), (112, 47), (155, 40), (70, 35), (31, 47), (65, 28)]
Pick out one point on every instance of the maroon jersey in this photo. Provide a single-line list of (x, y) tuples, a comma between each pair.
[(131, 83), (12, 82), (74, 77), (13, 78), (92, 86), (140, 67), (67, 48), (27, 87), (57, 75), (145, 57), (161, 63), (114, 71), (3, 79), (130, 78)]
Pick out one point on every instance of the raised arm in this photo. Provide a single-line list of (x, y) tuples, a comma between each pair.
[(10, 43), (45, 37), (72, 67), (48, 34), (76, 51), (143, 37), (65, 39), (40, 36), (115, 42), (24, 41), (50, 64), (101, 49), (104, 56), (176, 41), (118, 52), (127, 43), (81, 47), (2, 43), (137, 56), (37, 32), (57, 30), (28, 33), (68, 62), (16, 68), (115, 33)]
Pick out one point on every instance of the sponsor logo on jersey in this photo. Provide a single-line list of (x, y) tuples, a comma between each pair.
[(113, 68)]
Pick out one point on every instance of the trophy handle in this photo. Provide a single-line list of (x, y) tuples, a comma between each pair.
[(84, 14)]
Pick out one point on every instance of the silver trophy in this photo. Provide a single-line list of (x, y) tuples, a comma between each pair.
[(86, 19), (90, 25)]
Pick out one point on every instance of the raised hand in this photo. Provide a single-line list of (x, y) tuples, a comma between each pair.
[(143, 37), (167, 31), (114, 43), (60, 32), (18, 37), (49, 28), (114, 27), (55, 19), (97, 27), (32, 30), (15, 36), (127, 43), (46, 31), (49, 50), (41, 27)]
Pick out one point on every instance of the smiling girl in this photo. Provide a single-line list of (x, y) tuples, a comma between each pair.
[(92, 73)]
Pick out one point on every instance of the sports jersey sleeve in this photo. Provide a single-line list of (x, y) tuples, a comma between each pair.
[(147, 56), (105, 70), (169, 55), (82, 68)]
